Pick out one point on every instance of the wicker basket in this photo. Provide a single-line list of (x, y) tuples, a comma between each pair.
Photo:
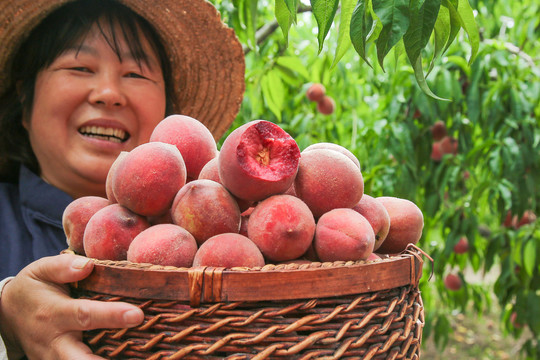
[(339, 310)]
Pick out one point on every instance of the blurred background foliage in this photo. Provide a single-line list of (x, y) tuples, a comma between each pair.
[(385, 116)]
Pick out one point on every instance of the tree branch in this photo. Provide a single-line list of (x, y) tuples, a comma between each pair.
[(513, 49), (268, 29)]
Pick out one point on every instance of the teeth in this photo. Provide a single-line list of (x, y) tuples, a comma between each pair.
[(119, 133), (100, 132)]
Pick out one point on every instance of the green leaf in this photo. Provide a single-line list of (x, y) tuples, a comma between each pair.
[(376, 26), (423, 17), (461, 62), (455, 21), (394, 17), (324, 12), (473, 94), (422, 23), (469, 24), (293, 63), (533, 311), (512, 148), (441, 33), (284, 18), (273, 92), (529, 256), (292, 6), (360, 26), (399, 49), (344, 38), (421, 80), (249, 16), (505, 191)]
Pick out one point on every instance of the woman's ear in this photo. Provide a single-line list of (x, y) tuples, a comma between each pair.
[(18, 88), (22, 99), (25, 123), (25, 119)]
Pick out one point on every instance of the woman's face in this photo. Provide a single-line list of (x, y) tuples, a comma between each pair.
[(88, 106)]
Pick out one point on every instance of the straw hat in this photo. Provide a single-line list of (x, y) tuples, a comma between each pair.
[(207, 58)]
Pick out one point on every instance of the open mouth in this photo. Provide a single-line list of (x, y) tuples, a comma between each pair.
[(105, 133)]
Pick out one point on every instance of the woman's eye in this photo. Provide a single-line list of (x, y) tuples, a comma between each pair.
[(135, 75), (80, 68)]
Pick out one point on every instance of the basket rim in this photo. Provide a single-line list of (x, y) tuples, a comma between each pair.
[(268, 283)]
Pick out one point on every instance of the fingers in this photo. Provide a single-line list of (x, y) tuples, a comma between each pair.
[(77, 314), (60, 269), (38, 313), (70, 347), (83, 314)]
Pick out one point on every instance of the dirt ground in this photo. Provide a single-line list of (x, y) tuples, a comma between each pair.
[(477, 338)]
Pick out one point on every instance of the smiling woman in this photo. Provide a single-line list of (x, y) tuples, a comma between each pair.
[(103, 75), (93, 87)]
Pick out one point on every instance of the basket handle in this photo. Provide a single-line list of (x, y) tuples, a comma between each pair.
[(418, 261), (204, 285)]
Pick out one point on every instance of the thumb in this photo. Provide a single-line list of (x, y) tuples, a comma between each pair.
[(61, 269)]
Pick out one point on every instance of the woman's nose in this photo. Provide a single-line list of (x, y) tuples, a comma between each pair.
[(107, 91)]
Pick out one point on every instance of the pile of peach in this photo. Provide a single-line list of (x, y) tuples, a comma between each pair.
[(178, 201), (325, 103), (443, 143)]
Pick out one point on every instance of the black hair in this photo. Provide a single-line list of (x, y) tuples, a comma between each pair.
[(63, 29)]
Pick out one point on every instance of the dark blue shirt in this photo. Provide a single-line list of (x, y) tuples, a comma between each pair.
[(30, 222)]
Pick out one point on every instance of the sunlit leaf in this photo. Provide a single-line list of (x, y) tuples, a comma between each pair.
[(461, 62), (273, 92), (441, 33), (422, 23), (292, 6), (284, 18), (324, 12), (294, 64), (469, 24), (505, 191), (455, 21), (421, 80), (344, 37), (399, 49), (423, 17), (529, 256), (249, 18), (394, 18), (360, 27)]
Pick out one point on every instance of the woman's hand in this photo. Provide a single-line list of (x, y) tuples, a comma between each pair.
[(40, 319)]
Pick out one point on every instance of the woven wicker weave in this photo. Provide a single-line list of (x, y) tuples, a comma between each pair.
[(340, 310)]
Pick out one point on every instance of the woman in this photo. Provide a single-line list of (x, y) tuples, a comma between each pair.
[(81, 81)]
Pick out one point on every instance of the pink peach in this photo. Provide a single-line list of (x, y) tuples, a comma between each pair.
[(110, 231), (76, 216), (377, 215), (205, 208), (343, 235), (229, 250), (282, 226), (257, 160), (194, 140), (163, 244), (328, 180), (147, 178)]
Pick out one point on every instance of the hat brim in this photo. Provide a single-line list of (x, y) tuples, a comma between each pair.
[(207, 60)]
